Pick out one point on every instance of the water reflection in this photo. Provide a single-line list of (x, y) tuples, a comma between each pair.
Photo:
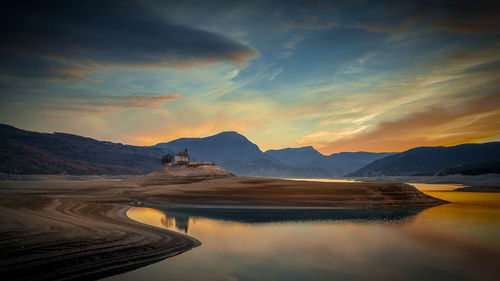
[(457, 241), (180, 217), (327, 180)]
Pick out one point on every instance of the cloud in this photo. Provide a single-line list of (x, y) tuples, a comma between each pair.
[(131, 102), (144, 121), (276, 73), (478, 17), (471, 120), (459, 56), (61, 107), (310, 23), (64, 41)]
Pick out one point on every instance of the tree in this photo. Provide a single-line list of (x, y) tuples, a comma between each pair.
[(167, 158)]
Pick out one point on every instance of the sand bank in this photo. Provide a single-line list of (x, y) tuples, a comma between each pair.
[(59, 229)]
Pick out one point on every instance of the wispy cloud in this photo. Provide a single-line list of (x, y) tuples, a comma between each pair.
[(65, 107), (276, 73), (474, 120), (459, 56)]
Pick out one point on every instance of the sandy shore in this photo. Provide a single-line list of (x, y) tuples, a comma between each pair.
[(51, 237), (59, 229), (267, 192)]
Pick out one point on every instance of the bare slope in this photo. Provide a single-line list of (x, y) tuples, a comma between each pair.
[(54, 230), (59, 229), (265, 192)]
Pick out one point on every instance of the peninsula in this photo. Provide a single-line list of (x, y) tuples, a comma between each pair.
[(58, 228)]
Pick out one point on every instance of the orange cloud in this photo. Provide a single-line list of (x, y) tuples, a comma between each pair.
[(459, 56), (473, 120), (71, 70), (133, 102), (70, 107)]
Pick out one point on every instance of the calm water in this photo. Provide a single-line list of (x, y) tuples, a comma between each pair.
[(457, 241)]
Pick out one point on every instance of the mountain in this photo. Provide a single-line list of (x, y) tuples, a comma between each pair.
[(462, 159), (268, 168), (219, 148), (473, 169), (352, 161), (296, 156), (338, 164), (25, 152), (232, 151), (235, 153)]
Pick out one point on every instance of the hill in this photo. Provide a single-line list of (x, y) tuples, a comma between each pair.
[(25, 152), (218, 148), (337, 164), (469, 159)]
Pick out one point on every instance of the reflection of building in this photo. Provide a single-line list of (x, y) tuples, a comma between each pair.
[(179, 222), (182, 157), (182, 223), (168, 222)]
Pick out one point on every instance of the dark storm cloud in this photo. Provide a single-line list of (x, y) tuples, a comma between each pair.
[(68, 40)]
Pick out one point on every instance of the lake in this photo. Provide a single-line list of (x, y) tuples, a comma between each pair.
[(456, 241)]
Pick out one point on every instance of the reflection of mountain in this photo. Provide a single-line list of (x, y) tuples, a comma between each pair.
[(246, 215)]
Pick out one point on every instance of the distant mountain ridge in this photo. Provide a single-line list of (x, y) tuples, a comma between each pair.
[(25, 152), (468, 159), (235, 153), (338, 164)]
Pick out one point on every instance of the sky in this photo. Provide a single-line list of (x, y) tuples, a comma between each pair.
[(338, 75)]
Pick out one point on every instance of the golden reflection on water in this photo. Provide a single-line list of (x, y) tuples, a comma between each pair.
[(326, 180), (456, 241), (485, 199), (147, 215), (435, 186), (471, 216), (159, 219)]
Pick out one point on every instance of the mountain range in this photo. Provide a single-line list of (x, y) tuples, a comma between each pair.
[(25, 152), (338, 163), (466, 159), (235, 153)]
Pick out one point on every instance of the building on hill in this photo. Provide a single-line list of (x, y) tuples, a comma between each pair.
[(182, 157)]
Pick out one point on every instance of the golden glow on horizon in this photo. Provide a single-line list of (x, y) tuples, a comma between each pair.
[(447, 106)]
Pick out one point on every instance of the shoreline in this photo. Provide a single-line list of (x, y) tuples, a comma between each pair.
[(479, 183), (63, 229), (70, 240)]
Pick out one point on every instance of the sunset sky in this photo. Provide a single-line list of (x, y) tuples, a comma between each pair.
[(337, 75)]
